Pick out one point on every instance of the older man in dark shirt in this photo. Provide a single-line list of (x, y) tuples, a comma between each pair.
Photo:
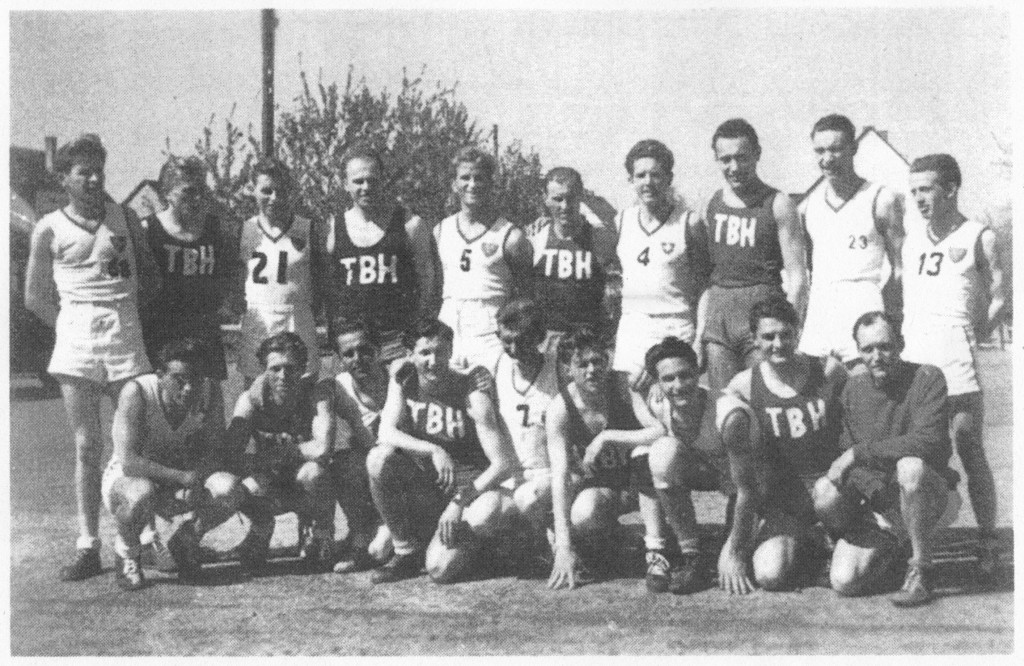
[(894, 470)]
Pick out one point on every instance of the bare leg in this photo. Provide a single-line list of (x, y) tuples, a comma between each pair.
[(82, 403), (966, 432)]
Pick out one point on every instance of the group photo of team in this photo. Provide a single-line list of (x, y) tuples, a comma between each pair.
[(758, 394)]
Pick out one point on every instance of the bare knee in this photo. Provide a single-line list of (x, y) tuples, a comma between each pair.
[(312, 476), (485, 516), (377, 460), (533, 498), (446, 565), (664, 458), (592, 512), (225, 489), (133, 498), (773, 564), (909, 474)]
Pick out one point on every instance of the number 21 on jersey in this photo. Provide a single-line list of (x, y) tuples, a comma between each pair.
[(260, 269)]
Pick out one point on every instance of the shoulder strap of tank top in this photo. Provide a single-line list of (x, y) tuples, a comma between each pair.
[(757, 387)]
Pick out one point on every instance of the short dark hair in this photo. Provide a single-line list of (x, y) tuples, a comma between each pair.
[(175, 170), (670, 347), (942, 164), (835, 122), (362, 152), (582, 339), (285, 342), (85, 146), (567, 176), (522, 315), (873, 317), (344, 325), (275, 168), (476, 156), (653, 149), (736, 128), (189, 350), (773, 307), (427, 327)]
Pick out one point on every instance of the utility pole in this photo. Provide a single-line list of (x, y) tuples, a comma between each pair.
[(494, 137), (269, 21)]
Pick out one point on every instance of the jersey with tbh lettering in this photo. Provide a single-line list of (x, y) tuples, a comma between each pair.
[(800, 433), (744, 242), (620, 416), (523, 406), (941, 279), (277, 432), (657, 271), (93, 266), (568, 277), (375, 283), (845, 242), (175, 447), (439, 416), (190, 272), (474, 268), (277, 262)]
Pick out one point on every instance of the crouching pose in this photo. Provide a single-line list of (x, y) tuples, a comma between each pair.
[(168, 438), (893, 473), (780, 428), (437, 466), (290, 422)]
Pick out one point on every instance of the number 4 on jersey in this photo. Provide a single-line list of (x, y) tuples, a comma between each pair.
[(644, 257)]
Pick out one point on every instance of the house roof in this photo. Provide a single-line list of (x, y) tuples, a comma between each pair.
[(138, 188)]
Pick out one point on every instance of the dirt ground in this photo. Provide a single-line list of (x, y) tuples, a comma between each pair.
[(295, 613)]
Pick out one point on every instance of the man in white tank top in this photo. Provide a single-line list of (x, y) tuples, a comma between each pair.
[(948, 260), (94, 251), (485, 261), (853, 226), (168, 439), (283, 254), (662, 277)]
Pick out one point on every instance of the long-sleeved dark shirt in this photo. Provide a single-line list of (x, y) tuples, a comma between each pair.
[(909, 416)]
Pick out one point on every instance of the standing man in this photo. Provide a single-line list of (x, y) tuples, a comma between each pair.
[(753, 233), (663, 256), (94, 251), (895, 439), (382, 266), (780, 425), (949, 260), (485, 261), (852, 226)]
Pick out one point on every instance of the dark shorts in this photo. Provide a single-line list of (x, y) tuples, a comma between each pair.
[(728, 315), (157, 334), (879, 488), (789, 494), (969, 403), (635, 475)]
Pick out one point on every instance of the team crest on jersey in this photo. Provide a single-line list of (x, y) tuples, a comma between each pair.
[(957, 254), (119, 243), (489, 249), (668, 247), (299, 242)]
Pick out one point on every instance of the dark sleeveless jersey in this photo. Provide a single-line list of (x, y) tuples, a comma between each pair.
[(270, 422), (620, 417), (375, 283), (439, 416), (569, 280), (801, 433), (191, 272), (744, 242)]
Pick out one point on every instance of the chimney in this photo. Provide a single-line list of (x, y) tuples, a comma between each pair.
[(50, 153)]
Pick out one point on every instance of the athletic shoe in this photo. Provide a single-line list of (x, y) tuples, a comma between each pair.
[(183, 549), (128, 573), (915, 590), (685, 574), (658, 571), (988, 559), (85, 565), (316, 551), (159, 556), (399, 567)]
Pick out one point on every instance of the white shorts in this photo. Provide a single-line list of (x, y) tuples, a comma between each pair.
[(476, 332), (950, 347), (638, 332), (832, 310), (101, 342), (261, 322)]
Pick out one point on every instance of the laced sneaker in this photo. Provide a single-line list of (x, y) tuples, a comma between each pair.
[(159, 555), (658, 571), (915, 590), (85, 565), (685, 575), (128, 573), (316, 551), (184, 552), (399, 567)]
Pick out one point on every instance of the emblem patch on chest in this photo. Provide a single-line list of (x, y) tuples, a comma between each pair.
[(957, 254), (489, 249), (668, 247)]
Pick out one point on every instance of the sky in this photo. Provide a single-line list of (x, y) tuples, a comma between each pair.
[(579, 87)]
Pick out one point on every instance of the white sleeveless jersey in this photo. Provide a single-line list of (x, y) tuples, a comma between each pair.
[(846, 244), (91, 267), (277, 266), (654, 265), (523, 407), (940, 280), (370, 418), (161, 442), (474, 269)]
